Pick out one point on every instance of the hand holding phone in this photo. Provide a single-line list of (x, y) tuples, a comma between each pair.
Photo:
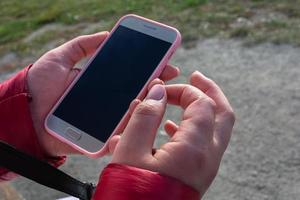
[(48, 78), (47, 83), (95, 106)]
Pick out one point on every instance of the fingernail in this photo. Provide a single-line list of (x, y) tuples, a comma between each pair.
[(157, 92), (158, 81)]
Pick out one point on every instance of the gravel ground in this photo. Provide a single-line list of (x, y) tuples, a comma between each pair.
[(263, 159)]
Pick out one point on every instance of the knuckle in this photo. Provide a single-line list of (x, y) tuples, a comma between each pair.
[(205, 118), (206, 102), (75, 45), (51, 53), (77, 39), (54, 55), (229, 114), (210, 82), (205, 124), (189, 90), (146, 109), (209, 102)]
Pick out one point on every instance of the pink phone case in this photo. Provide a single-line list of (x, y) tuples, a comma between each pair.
[(141, 95)]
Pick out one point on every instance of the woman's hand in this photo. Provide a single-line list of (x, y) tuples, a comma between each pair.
[(196, 145), (52, 74)]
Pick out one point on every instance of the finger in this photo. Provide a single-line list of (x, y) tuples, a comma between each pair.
[(113, 143), (138, 136), (170, 127), (199, 113), (131, 108), (80, 47), (184, 94), (225, 116), (169, 73), (211, 89), (133, 105), (72, 75), (154, 82)]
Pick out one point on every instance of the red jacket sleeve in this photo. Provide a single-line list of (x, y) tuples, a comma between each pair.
[(122, 182), (16, 127)]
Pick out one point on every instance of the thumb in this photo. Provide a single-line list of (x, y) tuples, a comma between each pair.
[(139, 134), (80, 47)]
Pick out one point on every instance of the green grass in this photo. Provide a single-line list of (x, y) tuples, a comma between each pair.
[(18, 18), (194, 18)]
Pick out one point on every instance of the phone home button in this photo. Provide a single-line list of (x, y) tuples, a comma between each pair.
[(73, 134)]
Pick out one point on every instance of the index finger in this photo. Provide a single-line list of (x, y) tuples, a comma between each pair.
[(224, 113), (198, 118)]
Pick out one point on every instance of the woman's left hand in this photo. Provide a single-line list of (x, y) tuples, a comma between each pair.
[(49, 77)]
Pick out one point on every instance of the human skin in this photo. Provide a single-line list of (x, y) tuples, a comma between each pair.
[(196, 146), (50, 75)]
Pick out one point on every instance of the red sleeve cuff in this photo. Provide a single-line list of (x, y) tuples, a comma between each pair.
[(122, 182), (16, 127)]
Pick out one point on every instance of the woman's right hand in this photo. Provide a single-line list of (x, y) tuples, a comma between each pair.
[(196, 145)]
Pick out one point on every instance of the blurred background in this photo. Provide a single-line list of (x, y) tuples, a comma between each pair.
[(249, 47)]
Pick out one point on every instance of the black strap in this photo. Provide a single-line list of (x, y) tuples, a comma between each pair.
[(43, 173)]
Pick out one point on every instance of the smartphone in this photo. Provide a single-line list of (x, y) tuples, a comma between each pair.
[(95, 106)]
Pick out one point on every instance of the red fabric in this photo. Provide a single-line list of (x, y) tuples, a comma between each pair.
[(16, 127), (122, 182)]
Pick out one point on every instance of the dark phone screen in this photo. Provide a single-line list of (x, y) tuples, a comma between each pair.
[(102, 95)]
